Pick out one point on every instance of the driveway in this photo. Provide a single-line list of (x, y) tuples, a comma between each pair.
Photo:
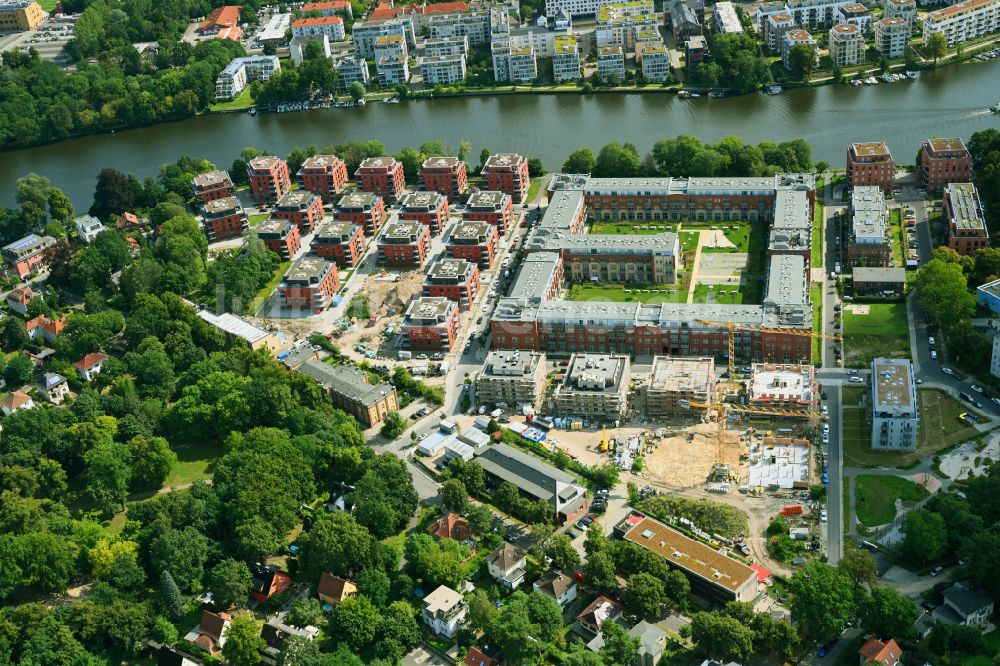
[(420, 656)]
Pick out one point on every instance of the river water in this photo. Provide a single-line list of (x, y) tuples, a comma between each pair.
[(951, 101)]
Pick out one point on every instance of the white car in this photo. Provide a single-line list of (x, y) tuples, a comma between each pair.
[(977, 389), (822, 516), (856, 380), (933, 354), (826, 438), (948, 371), (825, 410)]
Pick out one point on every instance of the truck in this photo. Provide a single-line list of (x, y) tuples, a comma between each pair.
[(791, 510), (404, 355), (443, 368)]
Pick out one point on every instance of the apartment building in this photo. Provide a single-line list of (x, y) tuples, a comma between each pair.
[(765, 9), (222, 23), (280, 236), (392, 70), (349, 389), (329, 8), (869, 243), (595, 387), (774, 27), (351, 68), (310, 283), (901, 9), (618, 23), (340, 242), (332, 27), (443, 611), (28, 254), (20, 15), (790, 386), (242, 71), (847, 44), (686, 18), (566, 60), (853, 13), (871, 164), (455, 279), (895, 414), (572, 7), (213, 185), (523, 65), (877, 281), (300, 207), (87, 228), (404, 244), (366, 209), (474, 26), (382, 175), (224, 218), (963, 218), (966, 20), (269, 178), (695, 51), (428, 208), (725, 20), (891, 37), (430, 324), (235, 330), (655, 62), (494, 207), (511, 377), (611, 63), (814, 14), (443, 70), (944, 161), (508, 173), (446, 175), (389, 45), (366, 33), (790, 40), (626, 259), (447, 46), (475, 242), (324, 175), (676, 383)]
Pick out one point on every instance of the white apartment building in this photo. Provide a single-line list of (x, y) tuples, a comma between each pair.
[(725, 20), (655, 63), (791, 39), (539, 37), (393, 70), (446, 46), (389, 46), (572, 7), (995, 359), (566, 59), (523, 65), (619, 22), (764, 10), (443, 70), (775, 27), (500, 51), (891, 37), (364, 34), (901, 9), (297, 47), (895, 417), (443, 610), (87, 228), (241, 71), (311, 28), (611, 62), (966, 20), (813, 14), (854, 14), (473, 25), (350, 69), (847, 44)]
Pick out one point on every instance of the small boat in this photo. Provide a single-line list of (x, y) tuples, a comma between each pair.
[(773, 89), (872, 81), (912, 75), (684, 94), (716, 94), (361, 102), (693, 95), (855, 82), (995, 108), (252, 110)]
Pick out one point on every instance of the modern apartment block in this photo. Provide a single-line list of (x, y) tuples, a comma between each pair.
[(891, 37), (365, 33), (365, 209), (329, 8), (790, 40), (446, 175), (725, 20), (869, 243), (695, 51), (676, 383), (626, 259), (324, 175), (814, 14), (566, 59), (995, 357), (895, 413), (455, 279), (300, 207), (475, 242), (280, 236), (495, 207), (944, 161), (28, 254), (20, 15), (966, 20), (853, 13), (790, 386), (655, 62), (310, 283), (446, 46), (349, 389), (351, 68), (332, 27), (508, 173), (572, 7), (595, 387), (382, 175), (611, 63), (511, 377), (242, 71), (213, 185), (392, 70), (775, 26), (269, 178), (224, 218), (871, 164), (523, 65), (442, 70), (428, 208), (963, 218), (847, 44), (430, 324), (340, 242), (901, 9), (404, 244)]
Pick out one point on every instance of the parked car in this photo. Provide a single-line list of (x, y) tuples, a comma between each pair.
[(856, 380), (822, 516), (826, 649), (933, 354), (936, 571), (948, 371), (977, 389)]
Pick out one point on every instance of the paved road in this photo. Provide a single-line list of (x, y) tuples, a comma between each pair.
[(835, 489)]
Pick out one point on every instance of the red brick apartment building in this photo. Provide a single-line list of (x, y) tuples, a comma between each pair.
[(224, 218), (455, 279), (324, 175), (281, 237), (507, 172), (310, 283), (445, 175), (301, 208), (871, 164), (363, 208), (342, 242), (475, 242), (404, 244), (963, 217), (382, 175), (494, 207), (430, 324), (213, 185), (944, 161), (430, 208), (269, 179)]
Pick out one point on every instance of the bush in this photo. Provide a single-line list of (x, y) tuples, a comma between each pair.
[(713, 517)]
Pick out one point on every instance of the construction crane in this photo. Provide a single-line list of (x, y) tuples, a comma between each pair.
[(732, 327)]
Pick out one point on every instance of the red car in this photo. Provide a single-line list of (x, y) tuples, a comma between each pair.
[(579, 576)]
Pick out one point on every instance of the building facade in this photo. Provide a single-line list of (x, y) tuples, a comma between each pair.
[(443, 70), (445, 175), (349, 389), (382, 175), (281, 237), (404, 244), (655, 62), (365, 209), (493, 207), (511, 377), (891, 37), (507, 172), (332, 27), (566, 59), (901, 9), (340, 242), (944, 161), (455, 279), (475, 242), (964, 21), (871, 164), (28, 254), (847, 44), (269, 178), (428, 208), (430, 324), (20, 15), (310, 283), (213, 185), (853, 13), (611, 63), (963, 218), (895, 412), (224, 218), (595, 386), (323, 175), (302, 208)]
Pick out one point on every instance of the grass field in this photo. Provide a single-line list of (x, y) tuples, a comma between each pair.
[(244, 101), (257, 218), (630, 228), (195, 462), (536, 184), (618, 294), (47, 5), (738, 234), (816, 296), (875, 497), (896, 236), (817, 230), (262, 295), (884, 331), (689, 240), (725, 294), (852, 395)]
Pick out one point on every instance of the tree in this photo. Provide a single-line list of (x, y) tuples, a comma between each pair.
[(823, 601), (181, 552), (616, 159), (354, 621), (888, 613), (151, 459), (108, 474), (535, 168), (563, 554), (18, 369), (580, 161), (52, 560), (243, 641), (13, 336), (170, 595), (482, 610), (126, 574), (398, 633), (357, 90), (305, 611), (722, 636), (606, 475), (936, 46), (104, 552), (384, 496), (644, 595), (525, 625), (943, 293), (454, 496), (801, 60), (437, 562), (229, 582), (599, 572), (394, 425), (479, 517), (115, 193), (374, 584), (337, 544), (620, 647), (925, 538), (859, 565), (822, 167)]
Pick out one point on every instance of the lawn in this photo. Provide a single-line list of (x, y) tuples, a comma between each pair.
[(244, 101), (262, 295), (536, 184), (875, 497), (617, 293), (818, 228), (726, 294), (257, 218), (852, 395), (738, 235), (884, 331), (195, 462), (816, 296), (47, 5), (629, 228), (689, 240), (896, 236)]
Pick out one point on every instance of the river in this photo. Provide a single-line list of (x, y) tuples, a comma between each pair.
[(951, 101)]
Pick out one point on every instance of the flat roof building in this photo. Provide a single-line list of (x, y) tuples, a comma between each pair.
[(324, 175), (475, 242), (224, 218), (20, 15), (213, 185), (507, 172), (877, 281), (783, 386), (340, 242), (269, 178), (455, 279), (725, 20), (963, 218), (944, 161), (891, 37), (869, 240), (871, 164), (675, 383), (310, 283), (611, 63), (493, 206), (963, 21), (405, 244), (595, 386), (280, 236), (895, 417), (429, 208), (847, 44), (382, 175), (901, 9), (446, 175), (28, 254), (237, 328), (511, 377), (366, 209), (430, 324), (300, 207)]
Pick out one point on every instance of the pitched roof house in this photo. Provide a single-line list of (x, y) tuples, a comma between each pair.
[(89, 366), (876, 651), (14, 401), (55, 387), (966, 605), (334, 589), (488, 655), (18, 299), (451, 526), (652, 643), (210, 634), (559, 586), (507, 564), (601, 610), (267, 581), (45, 327)]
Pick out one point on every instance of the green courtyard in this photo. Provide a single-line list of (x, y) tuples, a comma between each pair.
[(630, 228), (875, 497), (667, 293), (883, 331)]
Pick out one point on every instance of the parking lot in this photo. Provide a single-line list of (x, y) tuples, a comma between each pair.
[(49, 40)]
